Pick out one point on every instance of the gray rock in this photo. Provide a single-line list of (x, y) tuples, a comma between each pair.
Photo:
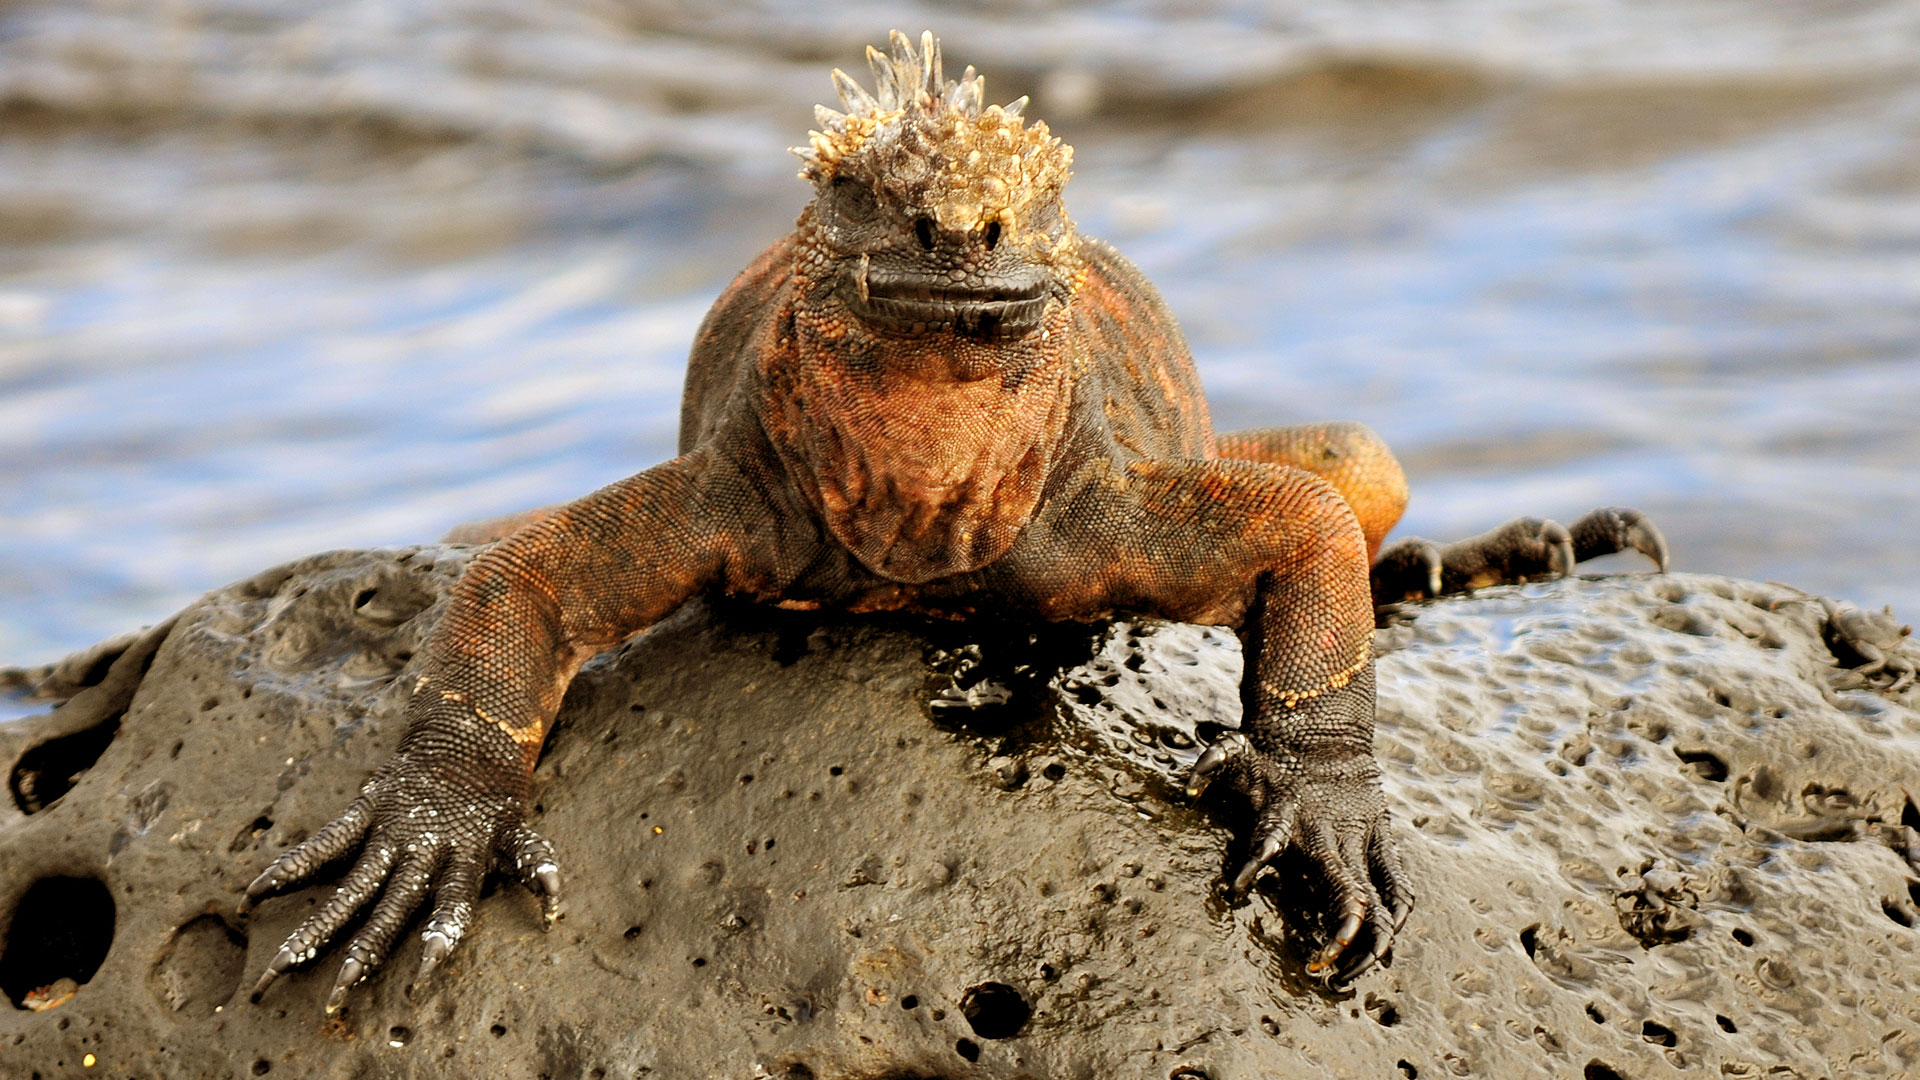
[(1652, 835)]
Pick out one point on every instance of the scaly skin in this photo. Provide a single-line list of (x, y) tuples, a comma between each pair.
[(933, 396)]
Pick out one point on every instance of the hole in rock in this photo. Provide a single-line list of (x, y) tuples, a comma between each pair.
[(1704, 764), (49, 770), (1726, 1025), (1407, 1070), (199, 967), (1530, 938), (60, 930), (1382, 1011), (1054, 771), (968, 1049), (995, 1010), (249, 833), (1593, 1013), (262, 1067), (1659, 1034), (1599, 1070), (498, 1030), (792, 643), (1897, 915), (910, 1002), (1744, 938)]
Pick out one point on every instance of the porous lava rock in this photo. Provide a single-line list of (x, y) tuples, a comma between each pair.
[(1654, 835)]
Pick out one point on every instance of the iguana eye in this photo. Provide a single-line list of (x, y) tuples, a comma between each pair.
[(853, 200)]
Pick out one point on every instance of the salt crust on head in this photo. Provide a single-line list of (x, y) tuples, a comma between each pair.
[(927, 144)]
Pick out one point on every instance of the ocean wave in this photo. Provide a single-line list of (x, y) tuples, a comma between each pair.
[(612, 84)]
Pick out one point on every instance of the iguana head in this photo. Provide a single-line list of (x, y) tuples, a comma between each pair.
[(933, 212)]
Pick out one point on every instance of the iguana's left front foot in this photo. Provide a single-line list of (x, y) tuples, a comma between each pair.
[(1328, 801), (1525, 549)]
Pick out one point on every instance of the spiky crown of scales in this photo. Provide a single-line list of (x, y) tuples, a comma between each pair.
[(928, 143)]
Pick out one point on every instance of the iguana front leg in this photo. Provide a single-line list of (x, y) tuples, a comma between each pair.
[(1277, 554), (450, 804)]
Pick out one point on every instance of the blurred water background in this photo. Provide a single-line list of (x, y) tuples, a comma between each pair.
[(283, 276)]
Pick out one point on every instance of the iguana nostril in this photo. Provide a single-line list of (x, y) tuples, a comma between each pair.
[(993, 235), (923, 232)]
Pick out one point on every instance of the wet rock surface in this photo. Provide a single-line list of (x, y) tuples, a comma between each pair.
[(1658, 830)]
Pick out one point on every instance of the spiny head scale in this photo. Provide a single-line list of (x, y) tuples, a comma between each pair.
[(928, 142)]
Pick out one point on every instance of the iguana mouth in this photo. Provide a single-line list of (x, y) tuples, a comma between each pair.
[(912, 306)]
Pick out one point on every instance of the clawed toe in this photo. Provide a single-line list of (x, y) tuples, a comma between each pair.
[(1612, 529), (1408, 569)]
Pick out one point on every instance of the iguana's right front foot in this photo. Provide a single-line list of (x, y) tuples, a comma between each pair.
[(428, 821), (1525, 549)]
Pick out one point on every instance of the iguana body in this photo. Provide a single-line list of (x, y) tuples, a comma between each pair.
[(933, 396)]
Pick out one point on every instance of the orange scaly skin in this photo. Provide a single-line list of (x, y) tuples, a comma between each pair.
[(932, 396)]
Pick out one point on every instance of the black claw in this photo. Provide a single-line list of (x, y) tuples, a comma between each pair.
[(1360, 965), (1644, 538), (1269, 848), (1214, 759), (281, 961), (260, 886), (1617, 528)]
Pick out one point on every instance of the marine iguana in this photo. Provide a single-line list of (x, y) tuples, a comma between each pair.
[(933, 396)]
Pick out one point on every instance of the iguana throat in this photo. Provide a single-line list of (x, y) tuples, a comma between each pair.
[(924, 456)]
